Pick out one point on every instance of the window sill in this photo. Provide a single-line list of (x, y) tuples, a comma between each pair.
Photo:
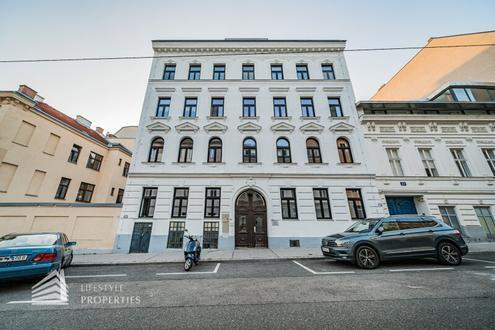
[(184, 164), (20, 144), (93, 169), (47, 153), (159, 118), (31, 195), (216, 118), (310, 118), (348, 164), (249, 164), (213, 164), (338, 118), (249, 118), (295, 219), (188, 118), (151, 163), (315, 164), (284, 164), (282, 118)]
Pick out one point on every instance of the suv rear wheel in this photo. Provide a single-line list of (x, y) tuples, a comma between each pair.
[(449, 254), (367, 257)]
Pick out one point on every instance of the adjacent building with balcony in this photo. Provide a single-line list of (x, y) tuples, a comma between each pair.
[(246, 143), (57, 173)]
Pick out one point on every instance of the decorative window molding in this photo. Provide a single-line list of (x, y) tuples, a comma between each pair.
[(249, 127), (312, 128), (282, 127), (186, 127), (158, 127), (342, 127), (215, 127)]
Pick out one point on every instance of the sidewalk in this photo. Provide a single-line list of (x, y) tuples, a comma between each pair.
[(221, 255)]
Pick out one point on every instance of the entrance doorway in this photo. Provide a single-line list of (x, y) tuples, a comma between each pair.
[(250, 220), (141, 237), (401, 205)]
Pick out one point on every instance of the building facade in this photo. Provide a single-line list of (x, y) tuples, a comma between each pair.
[(57, 173), (437, 157), (246, 143)]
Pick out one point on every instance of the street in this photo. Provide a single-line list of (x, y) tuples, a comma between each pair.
[(304, 293)]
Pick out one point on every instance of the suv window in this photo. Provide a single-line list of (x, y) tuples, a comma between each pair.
[(390, 225), (410, 223), (429, 223)]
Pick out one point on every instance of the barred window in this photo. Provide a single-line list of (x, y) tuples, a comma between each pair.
[(210, 235), (176, 234)]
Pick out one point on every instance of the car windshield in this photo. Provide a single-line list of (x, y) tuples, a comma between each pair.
[(362, 226), (27, 240)]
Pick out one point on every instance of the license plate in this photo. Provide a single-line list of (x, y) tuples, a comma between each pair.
[(325, 249), (13, 258)]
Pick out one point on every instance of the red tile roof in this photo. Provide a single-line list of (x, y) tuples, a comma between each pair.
[(70, 121)]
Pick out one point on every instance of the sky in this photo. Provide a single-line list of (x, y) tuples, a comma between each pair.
[(110, 93)]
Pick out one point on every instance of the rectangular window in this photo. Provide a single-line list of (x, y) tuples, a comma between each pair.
[(277, 72), (327, 70), (112, 191), (63, 186), (449, 216), (51, 144), (7, 172), (307, 107), (335, 107), (212, 203), (248, 107), (248, 72), (194, 72), (163, 108), (169, 72), (356, 205), (94, 161), (24, 133), (322, 203), (428, 162), (394, 160), (219, 72), (279, 107), (36, 182), (190, 107), (125, 171), (288, 203), (176, 234), (74, 153), (120, 196), (485, 218), (85, 192), (302, 71), (148, 202), (179, 207), (210, 235), (217, 104), (490, 158), (460, 162)]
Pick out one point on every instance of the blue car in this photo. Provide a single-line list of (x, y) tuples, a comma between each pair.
[(33, 254)]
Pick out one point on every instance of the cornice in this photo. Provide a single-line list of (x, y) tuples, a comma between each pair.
[(252, 175), (248, 50), (16, 99)]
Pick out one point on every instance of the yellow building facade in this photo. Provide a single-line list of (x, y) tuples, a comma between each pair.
[(57, 173)]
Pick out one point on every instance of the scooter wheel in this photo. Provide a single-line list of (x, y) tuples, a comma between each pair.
[(188, 265)]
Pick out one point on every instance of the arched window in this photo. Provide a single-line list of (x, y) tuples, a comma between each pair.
[(344, 148), (156, 150), (283, 151), (313, 149), (249, 152), (185, 150), (215, 151)]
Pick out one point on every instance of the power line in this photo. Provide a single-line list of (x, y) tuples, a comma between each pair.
[(117, 58)]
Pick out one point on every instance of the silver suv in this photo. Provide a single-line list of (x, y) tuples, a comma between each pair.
[(368, 242)]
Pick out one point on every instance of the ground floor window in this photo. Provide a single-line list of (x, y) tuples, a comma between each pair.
[(486, 220), (355, 201), (449, 216), (210, 235), (176, 234)]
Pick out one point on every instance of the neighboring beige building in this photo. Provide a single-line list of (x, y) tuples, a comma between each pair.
[(58, 174), (126, 136), (433, 69)]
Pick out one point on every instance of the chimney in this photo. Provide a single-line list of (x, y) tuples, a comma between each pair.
[(83, 121), (99, 130), (28, 91)]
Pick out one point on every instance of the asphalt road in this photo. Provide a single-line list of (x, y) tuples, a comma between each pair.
[(307, 293)]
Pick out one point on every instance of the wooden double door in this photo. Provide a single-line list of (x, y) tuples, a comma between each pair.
[(250, 220)]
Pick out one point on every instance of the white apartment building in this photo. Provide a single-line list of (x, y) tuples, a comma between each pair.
[(246, 143), (437, 157)]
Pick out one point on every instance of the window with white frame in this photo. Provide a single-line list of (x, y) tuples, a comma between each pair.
[(428, 162), (460, 162), (394, 160), (490, 158)]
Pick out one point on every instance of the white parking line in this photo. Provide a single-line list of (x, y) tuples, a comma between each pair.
[(322, 273), (490, 267), (186, 273), (488, 261), (96, 275), (418, 269)]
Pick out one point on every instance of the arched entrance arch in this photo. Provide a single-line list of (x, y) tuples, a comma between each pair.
[(250, 220)]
